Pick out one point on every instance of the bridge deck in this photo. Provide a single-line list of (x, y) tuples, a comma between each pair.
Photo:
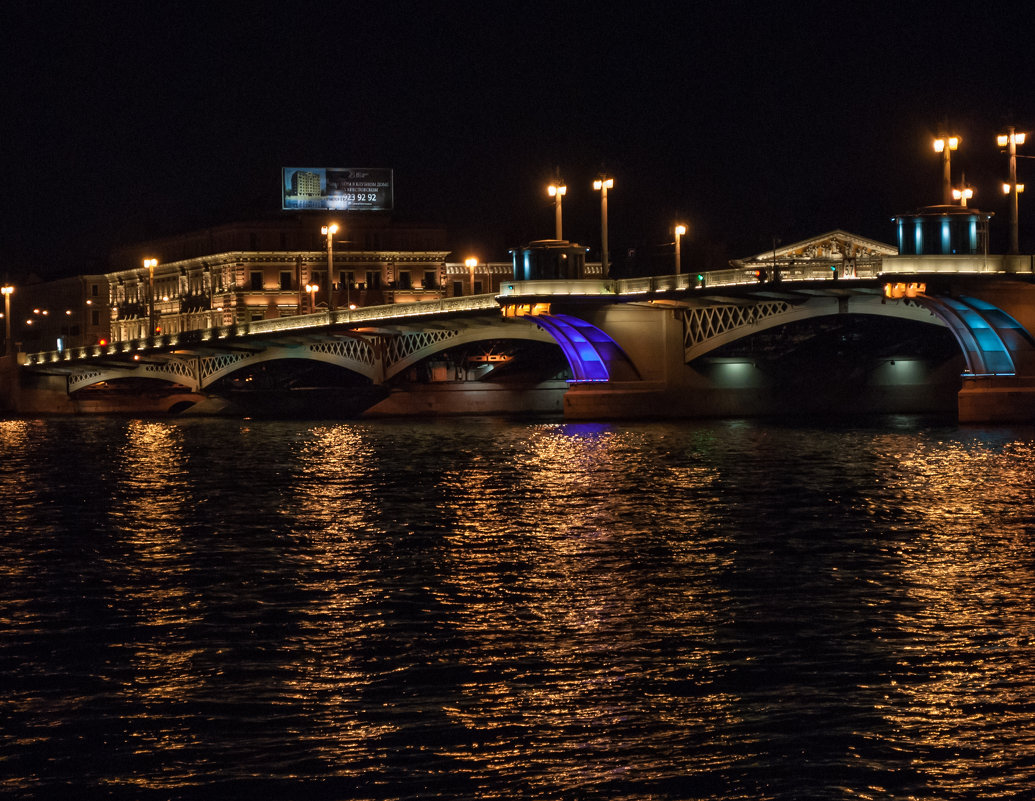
[(806, 277)]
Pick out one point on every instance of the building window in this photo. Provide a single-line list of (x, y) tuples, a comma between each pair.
[(404, 280), (430, 277), (458, 288), (93, 290), (285, 280), (95, 317), (256, 281)]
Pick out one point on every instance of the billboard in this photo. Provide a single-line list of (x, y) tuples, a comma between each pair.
[(337, 188)]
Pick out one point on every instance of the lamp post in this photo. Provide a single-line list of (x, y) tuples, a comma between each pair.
[(150, 264), (329, 231), (945, 145), (311, 290), (471, 263), (680, 230), (963, 194), (7, 290), (557, 191), (602, 184), (1010, 141)]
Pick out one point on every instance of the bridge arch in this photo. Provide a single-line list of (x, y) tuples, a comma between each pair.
[(351, 353), (987, 336), (707, 328), (406, 348)]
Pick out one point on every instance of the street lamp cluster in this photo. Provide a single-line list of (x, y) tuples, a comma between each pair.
[(557, 190), (1009, 140)]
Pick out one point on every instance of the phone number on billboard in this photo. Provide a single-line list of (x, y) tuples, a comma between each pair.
[(357, 197)]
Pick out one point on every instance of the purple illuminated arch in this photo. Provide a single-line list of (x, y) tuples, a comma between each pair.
[(590, 352)]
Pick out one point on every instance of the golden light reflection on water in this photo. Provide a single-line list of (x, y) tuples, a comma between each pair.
[(155, 562), (13, 435), (564, 581), (967, 658), (542, 610), (333, 514)]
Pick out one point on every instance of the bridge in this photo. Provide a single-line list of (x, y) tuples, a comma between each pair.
[(661, 346)]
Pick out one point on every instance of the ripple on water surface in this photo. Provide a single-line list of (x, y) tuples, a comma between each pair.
[(493, 609)]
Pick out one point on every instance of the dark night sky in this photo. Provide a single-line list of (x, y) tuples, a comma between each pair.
[(748, 120)]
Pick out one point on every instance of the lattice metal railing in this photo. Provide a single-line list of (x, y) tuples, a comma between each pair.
[(84, 378), (347, 349), (210, 365), (173, 368), (177, 371), (401, 347), (708, 322)]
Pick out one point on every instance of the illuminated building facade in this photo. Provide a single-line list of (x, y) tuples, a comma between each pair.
[(257, 271)]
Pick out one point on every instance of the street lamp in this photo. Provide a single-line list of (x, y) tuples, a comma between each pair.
[(329, 231), (680, 230), (963, 194), (602, 184), (311, 290), (945, 145), (471, 263), (150, 264), (557, 191), (1010, 141), (7, 290)]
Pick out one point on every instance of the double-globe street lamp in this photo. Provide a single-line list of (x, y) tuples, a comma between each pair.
[(945, 145), (602, 184), (7, 290), (557, 191), (1010, 140), (329, 231), (311, 290), (680, 231), (150, 265)]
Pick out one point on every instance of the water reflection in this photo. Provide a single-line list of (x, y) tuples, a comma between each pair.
[(152, 564), (332, 519), (499, 610), (965, 667), (578, 573)]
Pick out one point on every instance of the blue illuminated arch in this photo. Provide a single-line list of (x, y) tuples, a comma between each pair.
[(986, 334), (590, 352)]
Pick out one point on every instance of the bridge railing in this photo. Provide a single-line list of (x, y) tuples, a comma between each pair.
[(957, 264), (279, 325), (584, 286)]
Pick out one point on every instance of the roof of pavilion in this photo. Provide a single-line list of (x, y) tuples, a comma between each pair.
[(836, 244)]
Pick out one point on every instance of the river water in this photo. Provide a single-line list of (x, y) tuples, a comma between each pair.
[(492, 609)]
